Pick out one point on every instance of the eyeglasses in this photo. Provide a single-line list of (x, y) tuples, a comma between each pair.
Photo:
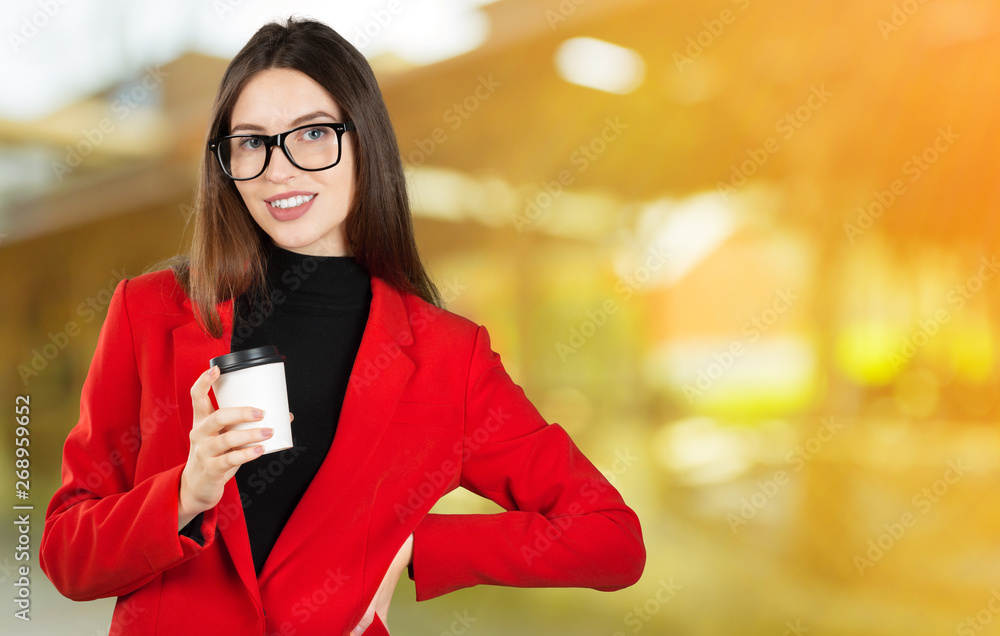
[(312, 147)]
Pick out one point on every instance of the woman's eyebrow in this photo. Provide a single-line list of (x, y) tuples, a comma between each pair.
[(299, 120)]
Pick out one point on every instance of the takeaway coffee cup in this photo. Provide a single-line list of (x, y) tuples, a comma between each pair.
[(256, 377)]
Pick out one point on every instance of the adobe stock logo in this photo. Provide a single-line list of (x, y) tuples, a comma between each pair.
[(915, 167), (562, 13), (640, 615), (582, 332), (89, 310), (973, 625), (899, 17), (456, 115), (787, 126), (537, 207), (767, 490), (928, 328), (698, 43), (723, 361), (924, 500), (379, 21), (31, 25), (122, 107)]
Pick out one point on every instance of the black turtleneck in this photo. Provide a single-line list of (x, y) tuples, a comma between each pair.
[(316, 314)]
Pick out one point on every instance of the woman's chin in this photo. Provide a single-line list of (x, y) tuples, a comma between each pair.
[(323, 245)]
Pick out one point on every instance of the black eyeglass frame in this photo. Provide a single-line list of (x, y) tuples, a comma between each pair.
[(215, 145)]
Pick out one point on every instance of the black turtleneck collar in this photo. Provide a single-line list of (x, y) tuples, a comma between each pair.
[(317, 284)]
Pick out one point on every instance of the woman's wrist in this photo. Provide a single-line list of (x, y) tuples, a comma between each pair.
[(185, 514), (184, 518)]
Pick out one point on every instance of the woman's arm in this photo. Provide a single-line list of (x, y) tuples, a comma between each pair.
[(104, 534), (565, 525)]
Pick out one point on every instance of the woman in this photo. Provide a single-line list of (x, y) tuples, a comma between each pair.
[(304, 240)]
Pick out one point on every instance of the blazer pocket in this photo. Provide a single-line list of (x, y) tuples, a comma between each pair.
[(422, 414)]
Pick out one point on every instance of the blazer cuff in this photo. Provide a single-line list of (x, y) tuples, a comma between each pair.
[(193, 530), (183, 544), (441, 559)]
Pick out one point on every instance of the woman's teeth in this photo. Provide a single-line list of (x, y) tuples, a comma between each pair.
[(292, 202)]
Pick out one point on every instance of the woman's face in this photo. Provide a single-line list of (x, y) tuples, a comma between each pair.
[(273, 101)]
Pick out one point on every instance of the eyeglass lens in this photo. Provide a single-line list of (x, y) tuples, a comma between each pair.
[(311, 148)]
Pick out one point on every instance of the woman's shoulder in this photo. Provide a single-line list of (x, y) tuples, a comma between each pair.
[(425, 317), (155, 291)]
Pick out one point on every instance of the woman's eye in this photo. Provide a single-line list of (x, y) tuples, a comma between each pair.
[(250, 143), (313, 134)]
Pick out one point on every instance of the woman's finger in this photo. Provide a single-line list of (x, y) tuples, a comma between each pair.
[(233, 440), (199, 394), (220, 420), (365, 623), (231, 415), (237, 458)]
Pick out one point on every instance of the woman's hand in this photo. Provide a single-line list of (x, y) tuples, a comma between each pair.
[(214, 457), (383, 596)]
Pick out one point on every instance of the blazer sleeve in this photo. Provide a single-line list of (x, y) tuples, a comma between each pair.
[(104, 534), (565, 525)]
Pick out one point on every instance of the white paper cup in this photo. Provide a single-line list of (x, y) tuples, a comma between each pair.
[(256, 377)]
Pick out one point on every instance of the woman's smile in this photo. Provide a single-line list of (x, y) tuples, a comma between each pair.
[(290, 205)]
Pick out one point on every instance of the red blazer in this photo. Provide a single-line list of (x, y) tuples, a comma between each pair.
[(428, 408)]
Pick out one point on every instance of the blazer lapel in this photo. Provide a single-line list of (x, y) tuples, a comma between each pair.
[(379, 375), (193, 348)]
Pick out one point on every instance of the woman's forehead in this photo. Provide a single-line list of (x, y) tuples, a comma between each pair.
[(279, 97)]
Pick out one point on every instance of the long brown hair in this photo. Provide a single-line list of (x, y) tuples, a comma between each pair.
[(227, 247)]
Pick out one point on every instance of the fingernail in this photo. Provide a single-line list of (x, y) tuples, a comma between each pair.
[(257, 413), (257, 450), (266, 432), (291, 416)]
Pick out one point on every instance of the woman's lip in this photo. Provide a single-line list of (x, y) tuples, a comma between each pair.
[(290, 214)]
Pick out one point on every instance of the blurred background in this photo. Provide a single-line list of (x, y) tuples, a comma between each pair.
[(744, 251)]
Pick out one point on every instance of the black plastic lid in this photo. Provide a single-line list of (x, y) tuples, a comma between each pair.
[(248, 358)]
